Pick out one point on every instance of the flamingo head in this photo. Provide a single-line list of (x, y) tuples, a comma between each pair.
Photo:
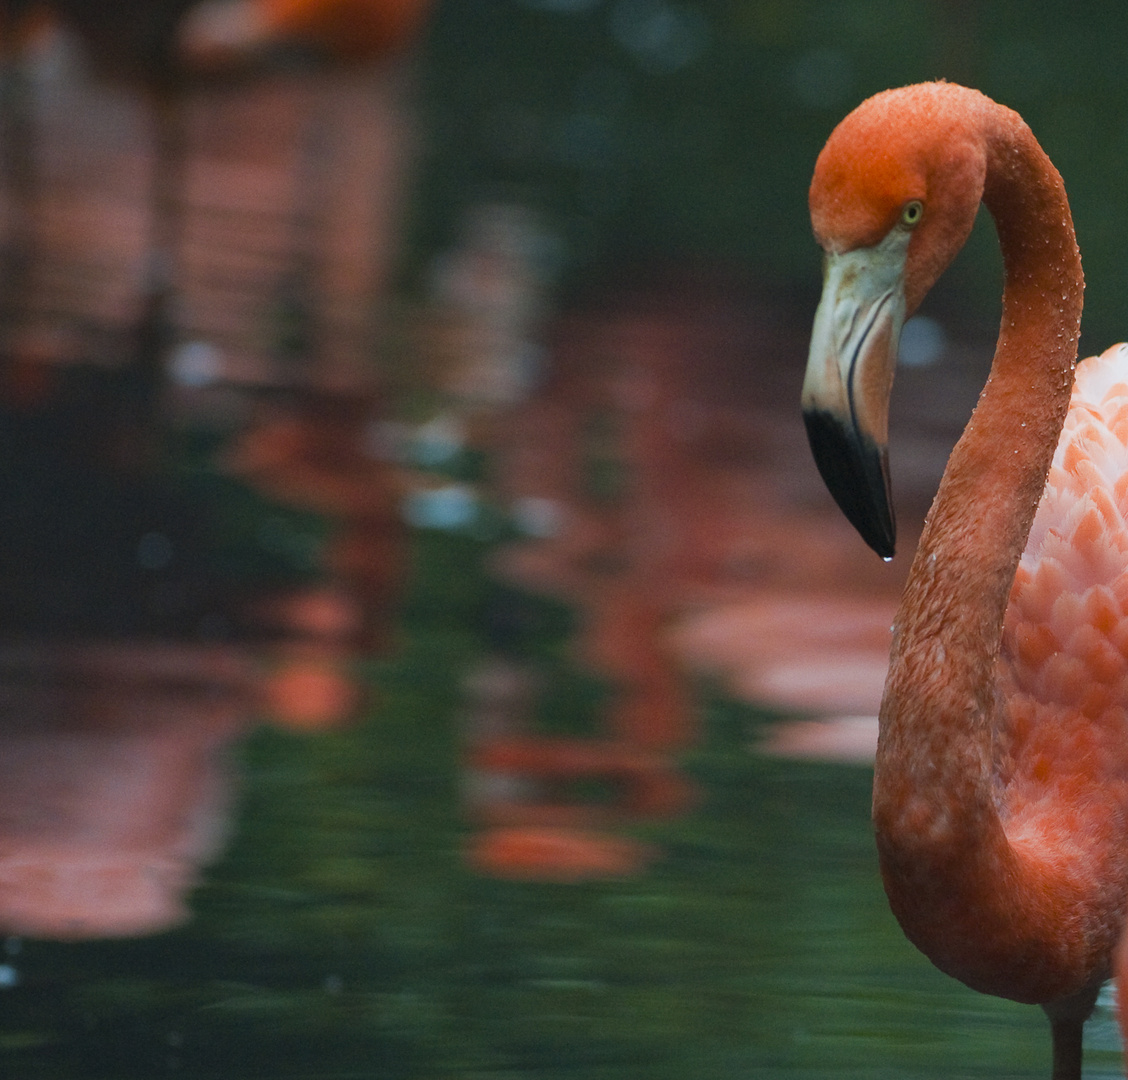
[(893, 198)]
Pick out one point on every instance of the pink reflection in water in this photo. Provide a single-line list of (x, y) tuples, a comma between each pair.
[(822, 654), (113, 787), (850, 739), (801, 652)]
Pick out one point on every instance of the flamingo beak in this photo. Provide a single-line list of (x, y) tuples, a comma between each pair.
[(849, 379)]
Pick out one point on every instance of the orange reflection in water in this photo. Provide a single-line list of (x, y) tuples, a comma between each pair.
[(315, 455), (608, 445)]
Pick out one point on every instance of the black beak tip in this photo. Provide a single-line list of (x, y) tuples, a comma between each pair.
[(856, 472)]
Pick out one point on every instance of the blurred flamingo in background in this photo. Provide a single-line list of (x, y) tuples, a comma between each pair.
[(161, 48), (219, 32), (113, 786), (135, 42), (1001, 784)]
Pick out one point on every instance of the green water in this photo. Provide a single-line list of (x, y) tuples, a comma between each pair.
[(341, 936)]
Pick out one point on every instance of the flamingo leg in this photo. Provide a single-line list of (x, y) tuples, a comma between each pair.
[(1120, 972), (1067, 1021), (1066, 1036), (17, 140), (141, 394)]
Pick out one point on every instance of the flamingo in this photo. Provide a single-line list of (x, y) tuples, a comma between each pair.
[(1000, 800)]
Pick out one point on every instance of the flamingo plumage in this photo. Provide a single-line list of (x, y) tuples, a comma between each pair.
[(1000, 799)]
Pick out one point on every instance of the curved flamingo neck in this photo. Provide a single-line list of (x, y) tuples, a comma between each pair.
[(937, 806)]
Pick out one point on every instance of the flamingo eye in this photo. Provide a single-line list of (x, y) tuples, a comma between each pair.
[(912, 213)]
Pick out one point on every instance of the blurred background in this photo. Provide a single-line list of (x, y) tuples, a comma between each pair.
[(426, 646)]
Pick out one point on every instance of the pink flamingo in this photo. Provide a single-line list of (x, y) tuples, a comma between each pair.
[(1001, 785)]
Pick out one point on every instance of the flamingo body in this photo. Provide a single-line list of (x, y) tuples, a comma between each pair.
[(1064, 669), (1059, 751), (1062, 756), (1001, 778)]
